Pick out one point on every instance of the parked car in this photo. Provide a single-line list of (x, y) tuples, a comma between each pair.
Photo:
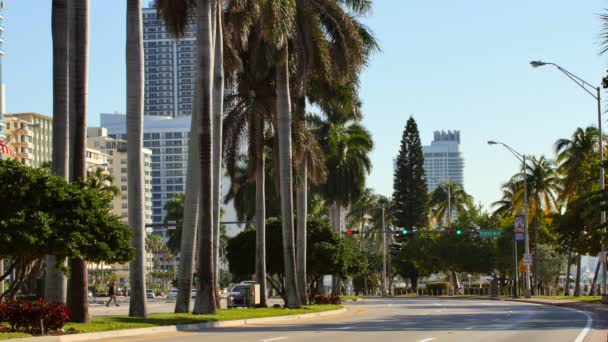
[(172, 293), (239, 296), (150, 294), (90, 294), (193, 293)]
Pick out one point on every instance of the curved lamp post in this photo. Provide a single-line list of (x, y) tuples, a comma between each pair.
[(595, 93)]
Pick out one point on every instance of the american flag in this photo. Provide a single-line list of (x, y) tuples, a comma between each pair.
[(4, 149)]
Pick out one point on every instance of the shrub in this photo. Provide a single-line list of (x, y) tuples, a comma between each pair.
[(327, 299), (438, 287), (26, 315)]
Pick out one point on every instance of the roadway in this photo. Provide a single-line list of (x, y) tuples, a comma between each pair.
[(412, 319)]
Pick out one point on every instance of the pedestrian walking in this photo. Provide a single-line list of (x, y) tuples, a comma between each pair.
[(112, 294)]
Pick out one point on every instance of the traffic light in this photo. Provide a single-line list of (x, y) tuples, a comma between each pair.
[(404, 232), (350, 232), (459, 232)]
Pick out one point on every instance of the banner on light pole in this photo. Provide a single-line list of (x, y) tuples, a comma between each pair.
[(520, 227)]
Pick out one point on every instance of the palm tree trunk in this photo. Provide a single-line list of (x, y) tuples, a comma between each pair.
[(595, 276), (218, 113), (285, 169), (577, 286), (302, 213), (78, 302), (260, 211), (135, 170), (191, 213), (205, 299), (55, 282)]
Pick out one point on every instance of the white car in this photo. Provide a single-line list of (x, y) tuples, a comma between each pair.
[(150, 294), (172, 293), (193, 293)]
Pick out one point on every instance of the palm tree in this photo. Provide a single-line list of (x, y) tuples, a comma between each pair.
[(102, 180), (346, 146), (135, 173), (55, 281), (543, 186), (459, 200), (573, 159), (176, 14), (78, 301), (218, 116), (505, 207)]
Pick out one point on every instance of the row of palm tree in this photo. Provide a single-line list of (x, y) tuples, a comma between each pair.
[(277, 56), (553, 185)]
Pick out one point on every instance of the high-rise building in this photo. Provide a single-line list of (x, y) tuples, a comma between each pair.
[(2, 93), (443, 160), (30, 136), (167, 138), (116, 165), (170, 68)]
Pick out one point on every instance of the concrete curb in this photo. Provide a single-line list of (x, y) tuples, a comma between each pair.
[(174, 328)]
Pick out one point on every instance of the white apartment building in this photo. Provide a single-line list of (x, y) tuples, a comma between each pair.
[(443, 159)]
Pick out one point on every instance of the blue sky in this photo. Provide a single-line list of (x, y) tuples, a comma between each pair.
[(450, 64)]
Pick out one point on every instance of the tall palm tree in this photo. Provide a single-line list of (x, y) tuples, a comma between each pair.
[(175, 213), (505, 206), (78, 302), (135, 173), (573, 159), (218, 116), (103, 181), (55, 281), (198, 223), (459, 200)]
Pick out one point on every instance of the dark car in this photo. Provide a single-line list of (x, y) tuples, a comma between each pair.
[(239, 296)]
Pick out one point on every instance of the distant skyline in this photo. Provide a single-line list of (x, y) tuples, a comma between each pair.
[(451, 65)]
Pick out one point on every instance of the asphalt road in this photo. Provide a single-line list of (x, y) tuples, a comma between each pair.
[(417, 320)]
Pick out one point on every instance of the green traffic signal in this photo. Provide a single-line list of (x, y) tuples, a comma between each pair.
[(404, 232), (458, 232)]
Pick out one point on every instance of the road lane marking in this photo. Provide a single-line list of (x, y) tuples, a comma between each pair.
[(428, 339), (274, 339), (344, 328), (585, 331)]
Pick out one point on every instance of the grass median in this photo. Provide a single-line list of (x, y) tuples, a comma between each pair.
[(587, 299), (107, 323)]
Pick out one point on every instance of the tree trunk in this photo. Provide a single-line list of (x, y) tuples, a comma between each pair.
[(205, 302), (78, 300), (577, 286), (595, 276), (135, 170), (569, 265), (55, 281), (455, 284), (260, 211), (190, 223), (285, 169), (218, 114), (302, 212)]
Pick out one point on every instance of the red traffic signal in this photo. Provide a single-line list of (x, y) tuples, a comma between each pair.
[(350, 232)]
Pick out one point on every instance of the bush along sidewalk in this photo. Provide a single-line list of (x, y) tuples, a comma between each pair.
[(32, 317)]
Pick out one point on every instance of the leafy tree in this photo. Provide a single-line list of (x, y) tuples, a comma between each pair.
[(328, 254), (410, 200), (175, 213), (44, 215)]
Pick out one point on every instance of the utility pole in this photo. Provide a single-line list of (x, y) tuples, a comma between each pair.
[(384, 245)]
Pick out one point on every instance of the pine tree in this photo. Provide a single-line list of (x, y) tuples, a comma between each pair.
[(410, 199)]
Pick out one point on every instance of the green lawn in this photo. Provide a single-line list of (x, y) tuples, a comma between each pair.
[(591, 299), (349, 298), (107, 323)]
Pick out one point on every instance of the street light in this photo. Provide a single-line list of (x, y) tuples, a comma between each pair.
[(597, 96), (522, 159)]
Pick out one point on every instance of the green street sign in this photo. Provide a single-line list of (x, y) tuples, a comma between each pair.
[(490, 233)]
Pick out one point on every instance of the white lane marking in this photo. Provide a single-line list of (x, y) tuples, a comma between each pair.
[(437, 304), (344, 328), (274, 339), (585, 331), (428, 339), (469, 328)]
